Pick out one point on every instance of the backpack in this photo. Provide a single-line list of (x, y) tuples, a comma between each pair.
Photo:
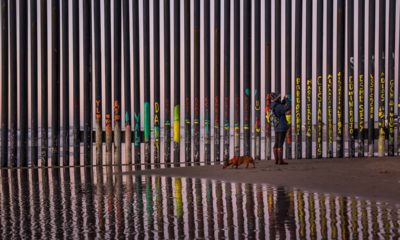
[(273, 118)]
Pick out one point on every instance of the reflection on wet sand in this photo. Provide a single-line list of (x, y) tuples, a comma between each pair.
[(103, 203)]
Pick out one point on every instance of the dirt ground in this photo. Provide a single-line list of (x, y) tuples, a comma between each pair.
[(375, 179)]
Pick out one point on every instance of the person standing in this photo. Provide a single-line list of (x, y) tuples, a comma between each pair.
[(279, 108)]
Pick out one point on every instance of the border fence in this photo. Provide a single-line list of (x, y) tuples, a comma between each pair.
[(111, 61)]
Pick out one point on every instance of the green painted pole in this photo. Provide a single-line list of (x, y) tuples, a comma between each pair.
[(4, 84)]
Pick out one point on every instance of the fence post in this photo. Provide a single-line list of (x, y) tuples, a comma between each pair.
[(309, 125), (341, 17), (227, 79), (4, 84), (361, 78), (65, 71), (247, 79), (329, 78), (87, 82), (392, 28), (382, 81), (207, 79), (108, 81), (268, 55), (167, 84), (98, 80), (320, 32), (288, 76), (146, 49), (196, 116), (350, 75), (187, 60), (371, 78), (127, 81), (55, 78), (34, 84), (177, 79), (236, 65), (76, 80), (156, 118), (23, 80), (217, 81), (117, 81)]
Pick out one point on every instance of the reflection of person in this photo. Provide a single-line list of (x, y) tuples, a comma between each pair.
[(280, 108)]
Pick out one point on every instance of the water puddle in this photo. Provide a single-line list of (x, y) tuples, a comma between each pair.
[(102, 203)]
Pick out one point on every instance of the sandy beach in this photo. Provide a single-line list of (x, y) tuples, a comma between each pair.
[(369, 178)]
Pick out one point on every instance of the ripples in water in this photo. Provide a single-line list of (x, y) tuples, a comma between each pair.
[(103, 203)]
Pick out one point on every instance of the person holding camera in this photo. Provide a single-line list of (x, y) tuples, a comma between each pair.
[(279, 108)]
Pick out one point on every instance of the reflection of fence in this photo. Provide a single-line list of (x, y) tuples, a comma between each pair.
[(345, 99), (98, 204)]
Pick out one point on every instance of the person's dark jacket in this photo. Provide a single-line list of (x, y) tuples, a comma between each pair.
[(280, 108)]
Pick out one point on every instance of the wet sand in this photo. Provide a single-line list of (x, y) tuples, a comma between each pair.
[(368, 178)]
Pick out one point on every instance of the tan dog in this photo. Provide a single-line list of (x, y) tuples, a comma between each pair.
[(236, 161)]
